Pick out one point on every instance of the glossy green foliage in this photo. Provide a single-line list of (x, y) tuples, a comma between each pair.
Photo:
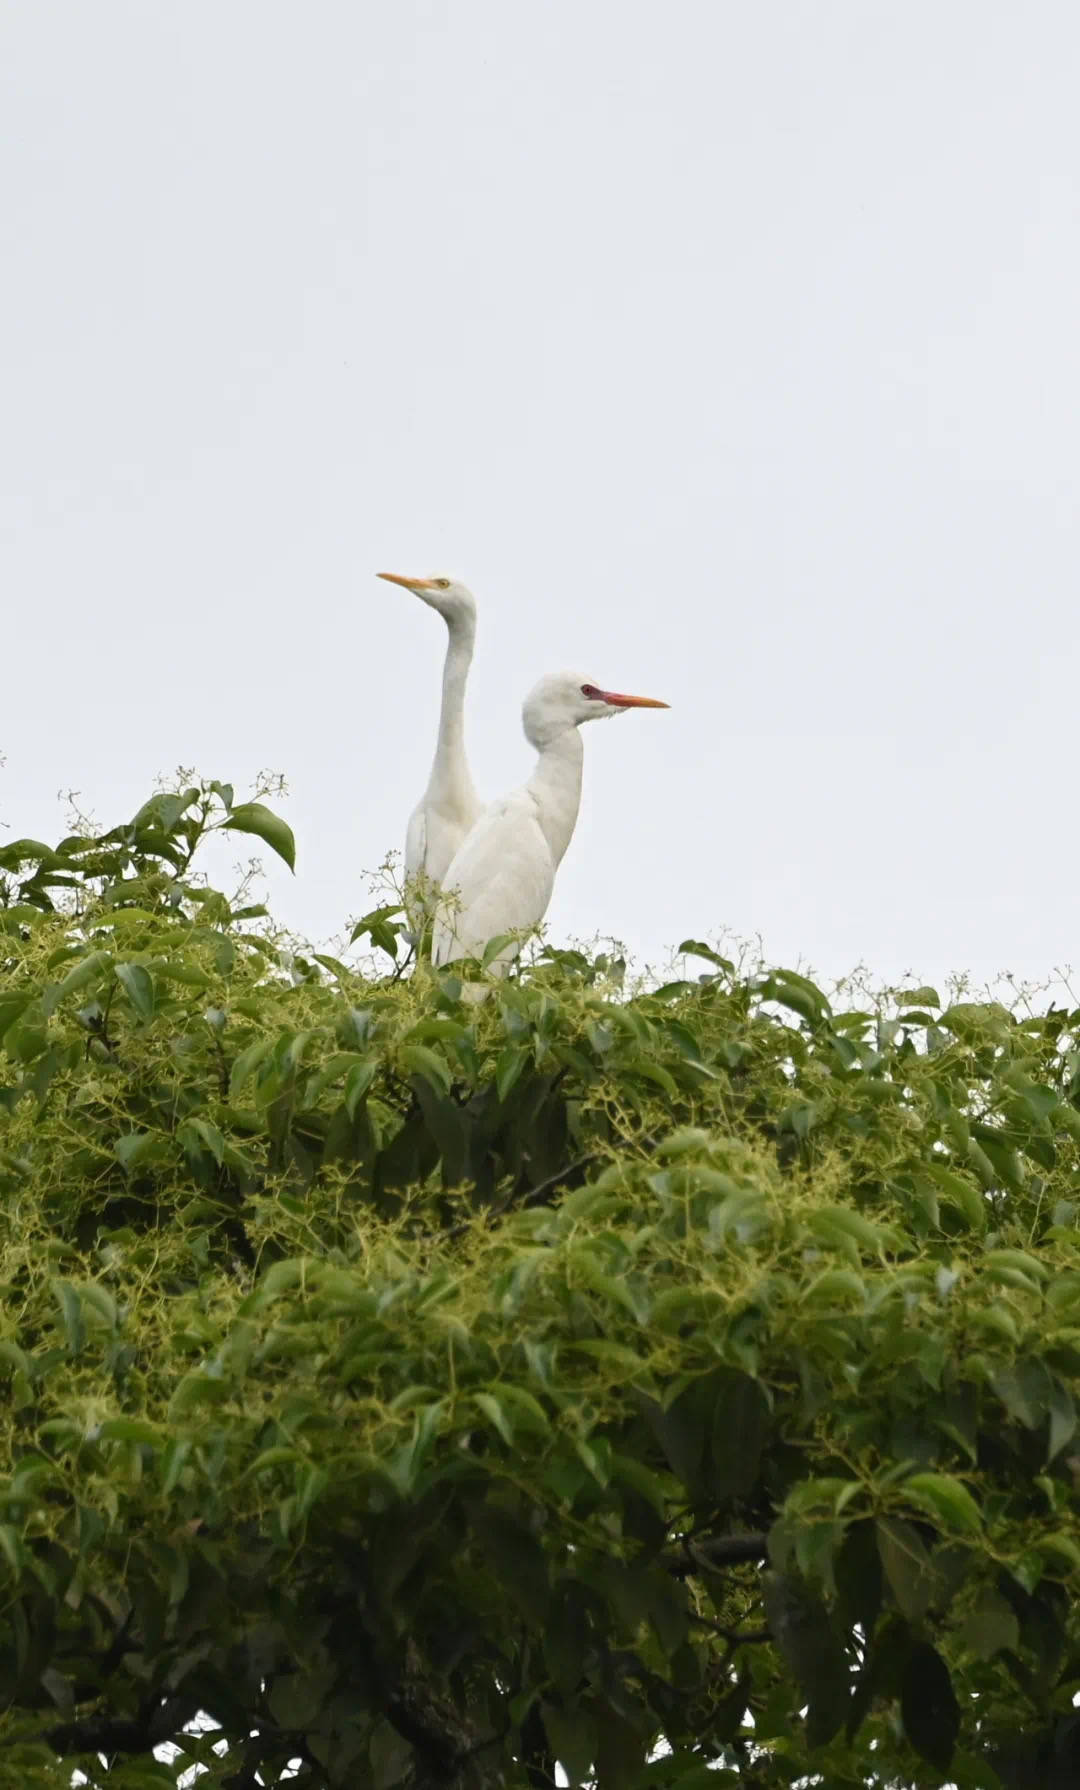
[(676, 1384)]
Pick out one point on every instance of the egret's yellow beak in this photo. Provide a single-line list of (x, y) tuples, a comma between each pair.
[(632, 702), (407, 583)]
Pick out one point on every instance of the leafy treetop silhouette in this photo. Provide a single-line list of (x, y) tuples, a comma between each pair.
[(674, 1384)]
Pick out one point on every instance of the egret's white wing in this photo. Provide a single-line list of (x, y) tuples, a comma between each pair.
[(447, 830), (500, 880), (433, 837), (416, 842)]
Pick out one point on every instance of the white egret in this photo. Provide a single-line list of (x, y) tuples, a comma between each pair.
[(450, 805), (501, 877)]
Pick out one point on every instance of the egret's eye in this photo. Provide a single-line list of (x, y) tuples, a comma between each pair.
[(443, 583), (592, 692)]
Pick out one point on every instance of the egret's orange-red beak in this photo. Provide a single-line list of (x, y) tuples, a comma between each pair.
[(632, 702), (407, 583)]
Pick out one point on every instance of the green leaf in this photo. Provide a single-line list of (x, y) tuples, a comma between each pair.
[(790, 989), (29, 1036), (418, 1059), (27, 851), (858, 1576), (961, 1193), (804, 1634), (11, 1007), (517, 1557), (839, 1225), (493, 1411), (101, 1301), (139, 987), (908, 1569), (1060, 1551), (1025, 1391), (494, 946), (130, 1429), (72, 1313), (390, 1756), (521, 1408), (254, 818), (740, 1427), (1062, 1419), (12, 1548), (187, 974), (296, 1698), (173, 1459), (991, 1626), (565, 1635), (333, 964), (1007, 1165), (248, 1061), (195, 1391), (946, 1499), (637, 1063), (1020, 1261), (696, 948), (135, 1147), (94, 964), (311, 1484), (508, 1068), (271, 1458), (378, 928), (978, 1021), (198, 1137), (17, 1359), (280, 1277), (835, 1285), (357, 1083), (928, 1706), (164, 811), (509, 1407), (571, 1735)]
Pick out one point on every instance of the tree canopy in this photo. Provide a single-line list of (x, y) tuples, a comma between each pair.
[(671, 1383)]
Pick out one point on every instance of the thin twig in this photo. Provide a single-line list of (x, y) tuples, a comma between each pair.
[(400, 969)]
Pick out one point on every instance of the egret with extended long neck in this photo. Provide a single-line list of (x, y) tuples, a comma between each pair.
[(502, 876), (450, 805)]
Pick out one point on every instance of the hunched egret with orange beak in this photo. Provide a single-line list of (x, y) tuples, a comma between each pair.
[(450, 805), (501, 878)]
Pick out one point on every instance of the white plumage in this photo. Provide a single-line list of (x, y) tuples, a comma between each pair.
[(502, 875), (450, 805)]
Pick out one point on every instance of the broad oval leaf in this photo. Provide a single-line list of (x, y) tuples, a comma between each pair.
[(138, 985), (255, 818), (946, 1499)]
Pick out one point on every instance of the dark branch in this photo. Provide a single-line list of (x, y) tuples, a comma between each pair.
[(408, 1707), (156, 1721), (720, 1551)]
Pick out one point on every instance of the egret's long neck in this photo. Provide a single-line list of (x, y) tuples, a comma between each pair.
[(555, 786), (450, 771)]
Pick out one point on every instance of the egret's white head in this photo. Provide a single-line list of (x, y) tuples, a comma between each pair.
[(565, 699), (451, 599)]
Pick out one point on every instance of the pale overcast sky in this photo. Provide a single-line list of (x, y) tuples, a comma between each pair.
[(729, 352)]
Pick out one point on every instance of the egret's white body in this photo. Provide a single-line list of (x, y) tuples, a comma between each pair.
[(450, 805), (501, 878)]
